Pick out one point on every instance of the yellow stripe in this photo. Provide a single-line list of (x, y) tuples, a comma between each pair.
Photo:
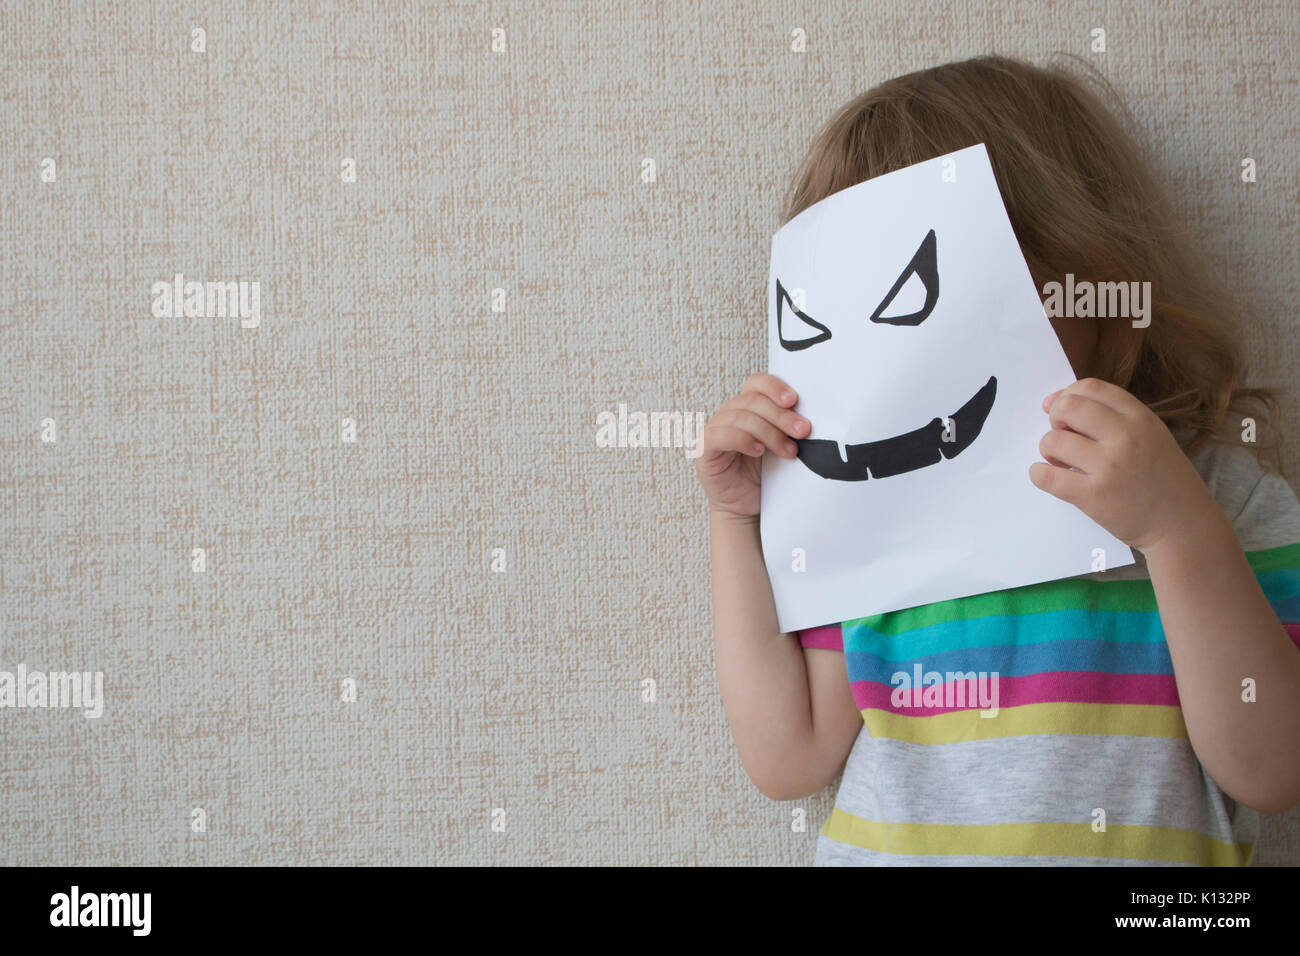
[(1120, 842), (1130, 720)]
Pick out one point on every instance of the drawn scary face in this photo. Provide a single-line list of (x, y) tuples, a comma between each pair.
[(897, 372), (943, 437)]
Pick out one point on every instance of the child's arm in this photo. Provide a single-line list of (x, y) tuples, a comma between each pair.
[(1135, 481), (791, 712), (1221, 629)]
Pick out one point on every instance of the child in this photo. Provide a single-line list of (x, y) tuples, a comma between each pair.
[(1147, 713)]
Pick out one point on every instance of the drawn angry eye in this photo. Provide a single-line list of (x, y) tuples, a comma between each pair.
[(924, 266), (797, 330), (803, 329)]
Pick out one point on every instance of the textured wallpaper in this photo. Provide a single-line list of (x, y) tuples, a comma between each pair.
[(336, 525)]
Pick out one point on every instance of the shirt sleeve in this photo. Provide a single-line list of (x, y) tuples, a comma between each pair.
[(1268, 527), (1270, 516), (829, 637)]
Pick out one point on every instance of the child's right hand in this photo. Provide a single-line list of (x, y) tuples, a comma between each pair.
[(730, 463)]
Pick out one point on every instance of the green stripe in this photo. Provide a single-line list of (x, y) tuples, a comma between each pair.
[(1076, 594), (1274, 559), (1068, 594)]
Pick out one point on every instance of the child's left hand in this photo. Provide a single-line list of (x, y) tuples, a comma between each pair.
[(1132, 478)]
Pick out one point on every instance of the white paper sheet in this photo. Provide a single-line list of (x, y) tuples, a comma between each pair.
[(962, 346)]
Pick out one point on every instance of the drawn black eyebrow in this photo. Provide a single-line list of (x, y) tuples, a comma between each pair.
[(926, 267), (795, 345)]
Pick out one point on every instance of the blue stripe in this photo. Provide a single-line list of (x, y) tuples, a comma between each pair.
[(1006, 630), (1107, 657), (1287, 609), (1280, 585)]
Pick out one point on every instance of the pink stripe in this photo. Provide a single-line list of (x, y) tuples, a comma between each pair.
[(1073, 687), (829, 637), (1294, 631)]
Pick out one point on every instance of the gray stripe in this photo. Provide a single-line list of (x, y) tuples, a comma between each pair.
[(1049, 778)]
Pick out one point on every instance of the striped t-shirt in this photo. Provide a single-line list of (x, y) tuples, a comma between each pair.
[(1076, 752)]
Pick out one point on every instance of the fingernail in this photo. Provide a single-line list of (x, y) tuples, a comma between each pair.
[(787, 396)]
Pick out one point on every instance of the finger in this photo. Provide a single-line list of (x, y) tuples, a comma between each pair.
[(1070, 486), (1071, 449), (721, 439), (1085, 415), (771, 386), (1104, 392), (791, 423), (763, 430)]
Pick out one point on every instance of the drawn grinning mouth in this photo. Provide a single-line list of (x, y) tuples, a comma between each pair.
[(902, 453)]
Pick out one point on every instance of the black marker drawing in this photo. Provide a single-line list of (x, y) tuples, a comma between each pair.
[(902, 453), (925, 264), (795, 344)]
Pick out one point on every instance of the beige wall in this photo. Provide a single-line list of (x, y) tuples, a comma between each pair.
[(475, 430)]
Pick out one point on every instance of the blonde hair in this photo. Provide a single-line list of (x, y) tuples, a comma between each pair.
[(1082, 199)]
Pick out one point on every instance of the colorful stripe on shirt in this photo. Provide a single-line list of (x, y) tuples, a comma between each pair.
[(1014, 662), (1049, 667)]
